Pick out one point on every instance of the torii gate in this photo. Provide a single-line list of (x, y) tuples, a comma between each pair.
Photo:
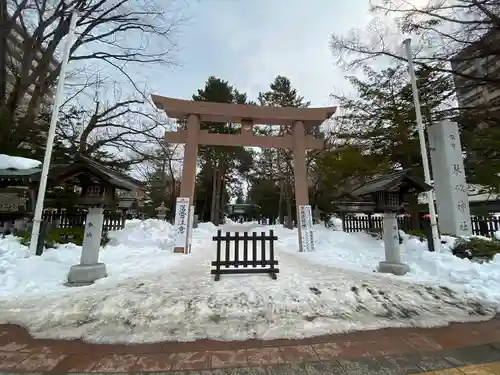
[(247, 115)]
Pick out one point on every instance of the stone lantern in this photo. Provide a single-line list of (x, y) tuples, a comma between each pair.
[(95, 195), (387, 193), (98, 191), (162, 211)]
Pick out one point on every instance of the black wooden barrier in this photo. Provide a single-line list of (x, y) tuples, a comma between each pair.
[(265, 264)]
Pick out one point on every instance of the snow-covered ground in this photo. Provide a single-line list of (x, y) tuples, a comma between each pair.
[(152, 294)]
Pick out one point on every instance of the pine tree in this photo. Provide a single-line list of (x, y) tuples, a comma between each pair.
[(218, 163), (282, 94), (381, 120)]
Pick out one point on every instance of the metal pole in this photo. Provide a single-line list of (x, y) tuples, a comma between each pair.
[(50, 138), (423, 147)]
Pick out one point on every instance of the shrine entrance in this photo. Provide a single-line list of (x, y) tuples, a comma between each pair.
[(195, 112)]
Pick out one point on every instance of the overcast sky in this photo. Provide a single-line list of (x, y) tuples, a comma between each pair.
[(249, 42)]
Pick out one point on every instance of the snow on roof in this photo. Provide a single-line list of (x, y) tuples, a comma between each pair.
[(17, 162)]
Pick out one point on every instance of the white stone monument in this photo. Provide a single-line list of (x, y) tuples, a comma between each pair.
[(306, 228), (190, 228), (89, 269), (450, 186), (392, 263), (182, 231)]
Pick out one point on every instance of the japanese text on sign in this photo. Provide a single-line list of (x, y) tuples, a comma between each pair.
[(88, 233), (306, 231), (181, 222), (464, 225)]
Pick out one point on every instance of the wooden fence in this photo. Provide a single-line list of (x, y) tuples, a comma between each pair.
[(481, 225), (265, 263), (112, 221)]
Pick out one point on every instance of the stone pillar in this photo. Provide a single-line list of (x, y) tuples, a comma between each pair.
[(450, 187), (89, 269), (188, 183), (304, 212), (392, 263)]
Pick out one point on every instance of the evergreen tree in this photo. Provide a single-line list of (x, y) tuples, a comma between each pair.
[(216, 181), (380, 121), (281, 94)]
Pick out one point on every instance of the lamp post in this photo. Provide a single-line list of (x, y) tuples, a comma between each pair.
[(423, 146), (50, 138)]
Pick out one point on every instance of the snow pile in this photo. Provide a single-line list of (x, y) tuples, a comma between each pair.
[(152, 294), (16, 162), (140, 247)]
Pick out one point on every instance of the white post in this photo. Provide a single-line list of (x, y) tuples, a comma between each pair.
[(89, 269), (50, 138), (392, 263), (306, 228), (181, 224), (423, 147)]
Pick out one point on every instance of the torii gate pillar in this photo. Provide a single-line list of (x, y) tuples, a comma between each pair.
[(304, 211), (184, 208)]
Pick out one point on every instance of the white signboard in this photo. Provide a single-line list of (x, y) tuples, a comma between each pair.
[(452, 198), (181, 223), (306, 228), (190, 229)]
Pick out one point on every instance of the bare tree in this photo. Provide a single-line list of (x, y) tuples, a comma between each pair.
[(441, 29), (118, 33), (126, 127)]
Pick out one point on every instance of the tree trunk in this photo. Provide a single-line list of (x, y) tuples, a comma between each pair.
[(281, 214), (164, 178), (205, 207), (222, 198), (173, 187), (288, 199), (214, 190), (3, 51), (218, 193)]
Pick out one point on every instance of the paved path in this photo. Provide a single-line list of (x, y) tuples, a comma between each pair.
[(470, 348)]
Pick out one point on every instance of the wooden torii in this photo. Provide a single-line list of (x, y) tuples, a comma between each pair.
[(247, 115)]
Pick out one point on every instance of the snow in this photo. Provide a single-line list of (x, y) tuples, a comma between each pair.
[(152, 294), (17, 162)]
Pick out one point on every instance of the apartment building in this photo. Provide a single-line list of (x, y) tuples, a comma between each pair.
[(479, 59), (15, 57)]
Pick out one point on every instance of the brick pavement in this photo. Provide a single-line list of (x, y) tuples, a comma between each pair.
[(390, 351)]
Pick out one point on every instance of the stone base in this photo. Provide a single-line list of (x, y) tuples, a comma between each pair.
[(81, 274), (398, 269)]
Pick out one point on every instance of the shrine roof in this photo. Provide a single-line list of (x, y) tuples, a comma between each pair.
[(391, 182), (58, 171), (236, 113)]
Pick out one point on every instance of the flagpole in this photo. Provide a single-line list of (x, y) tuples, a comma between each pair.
[(37, 219), (423, 146)]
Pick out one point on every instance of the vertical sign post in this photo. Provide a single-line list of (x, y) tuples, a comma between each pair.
[(449, 179), (306, 228), (181, 225)]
